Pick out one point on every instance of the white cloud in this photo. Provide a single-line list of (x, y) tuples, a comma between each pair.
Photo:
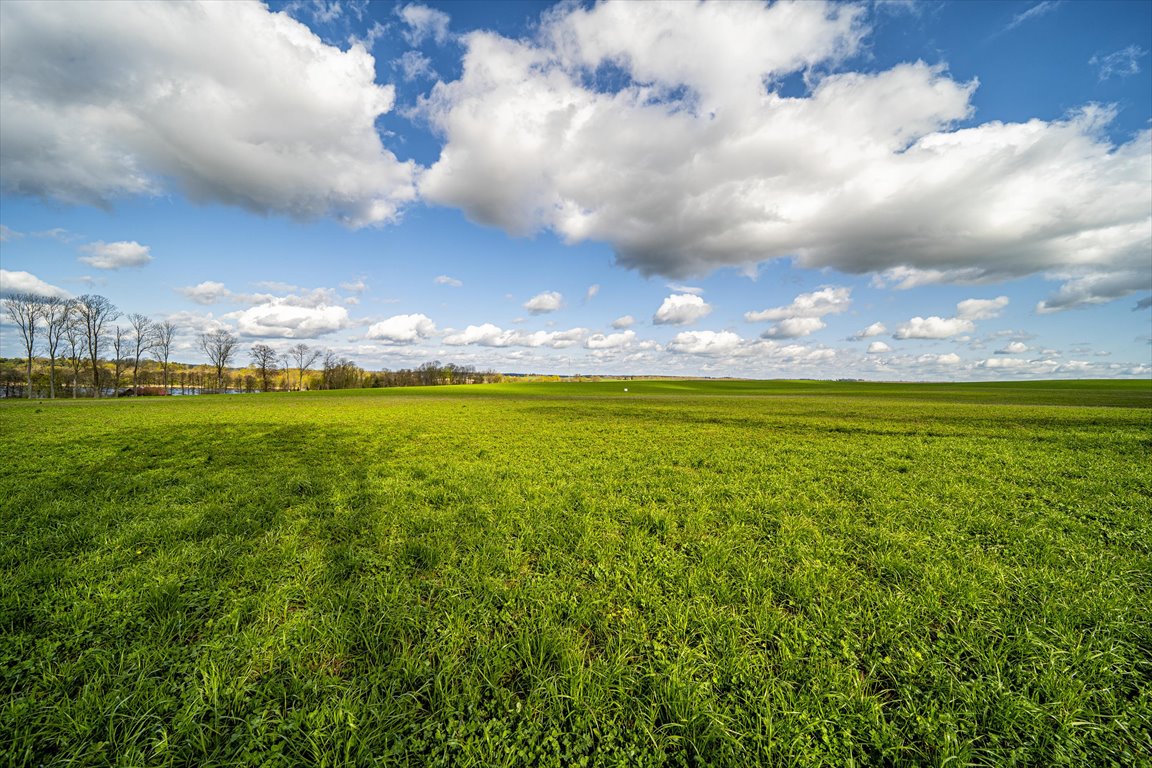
[(403, 329), (948, 358), (794, 327), (610, 341), (233, 103), (282, 320), (905, 278), (624, 321), (26, 282), (415, 65), (705, 343), (212, 292), (695, 161), (355, 286), (542, 303), (681, 309), (878, 347), (1004, 362), (126, 253), (489, 335), (591, 292), (981, 309), (1122, 63), (1095, 288), (7, 234), (1013, 348), (679, 288), (446, 280), (802, 316), (873, 330), (942, 328), (207, 292), (423, 23), (933, 328), (826, 301), (1034, 12)]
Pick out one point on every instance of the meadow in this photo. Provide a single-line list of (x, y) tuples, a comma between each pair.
[(568, 574)]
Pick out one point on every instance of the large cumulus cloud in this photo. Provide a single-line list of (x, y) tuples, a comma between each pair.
[(228, 101), (662, 129)]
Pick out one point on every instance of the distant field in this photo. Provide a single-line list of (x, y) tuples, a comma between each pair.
[(687, 573)]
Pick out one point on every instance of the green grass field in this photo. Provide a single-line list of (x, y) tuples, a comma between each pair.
[(689, 573)]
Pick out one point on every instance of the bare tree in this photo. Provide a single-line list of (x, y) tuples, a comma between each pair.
[(74, 337), (95, 312), (264, 358), (162, 335), (57, 314), (304, 357), (286, 369), (219, 345), (25, 311), (142, 340), (119, 348)]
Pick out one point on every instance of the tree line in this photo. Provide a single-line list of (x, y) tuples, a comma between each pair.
[(94, 354)]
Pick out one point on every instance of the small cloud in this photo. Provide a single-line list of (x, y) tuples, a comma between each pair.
[(414, 65), (681, 309), (878, 347), (591, 292), (7, 234), (873, 330), (684, 289), (403, 329), (377, 31), (705, 343), (279, 319), (624, 321), (1121, 63), (445, 280), (1013, 348), (906, 278), (356, 286), (1144, 303), (423, 23), (794, 328), (1035, 12), (826, 301), (933, 328), (610, 341), (542, 303), (207, 292), (125, 253), (489, 335), (26, 282), (981, 309)]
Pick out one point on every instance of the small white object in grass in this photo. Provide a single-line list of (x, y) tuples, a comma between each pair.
[(625, 389)]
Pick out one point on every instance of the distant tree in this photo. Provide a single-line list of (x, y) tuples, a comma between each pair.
[(95, 312), (219, 346), (304, 357), (119, 350), (163, 334), (264, 358), (286, 369), (74, 337), (57, 313), (338, 372), (142, 340), (25, 311)]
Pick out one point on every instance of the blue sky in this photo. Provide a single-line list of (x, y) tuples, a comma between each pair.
[(880, 190)]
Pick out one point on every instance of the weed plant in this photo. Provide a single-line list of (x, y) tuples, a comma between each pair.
[(686, 574)]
